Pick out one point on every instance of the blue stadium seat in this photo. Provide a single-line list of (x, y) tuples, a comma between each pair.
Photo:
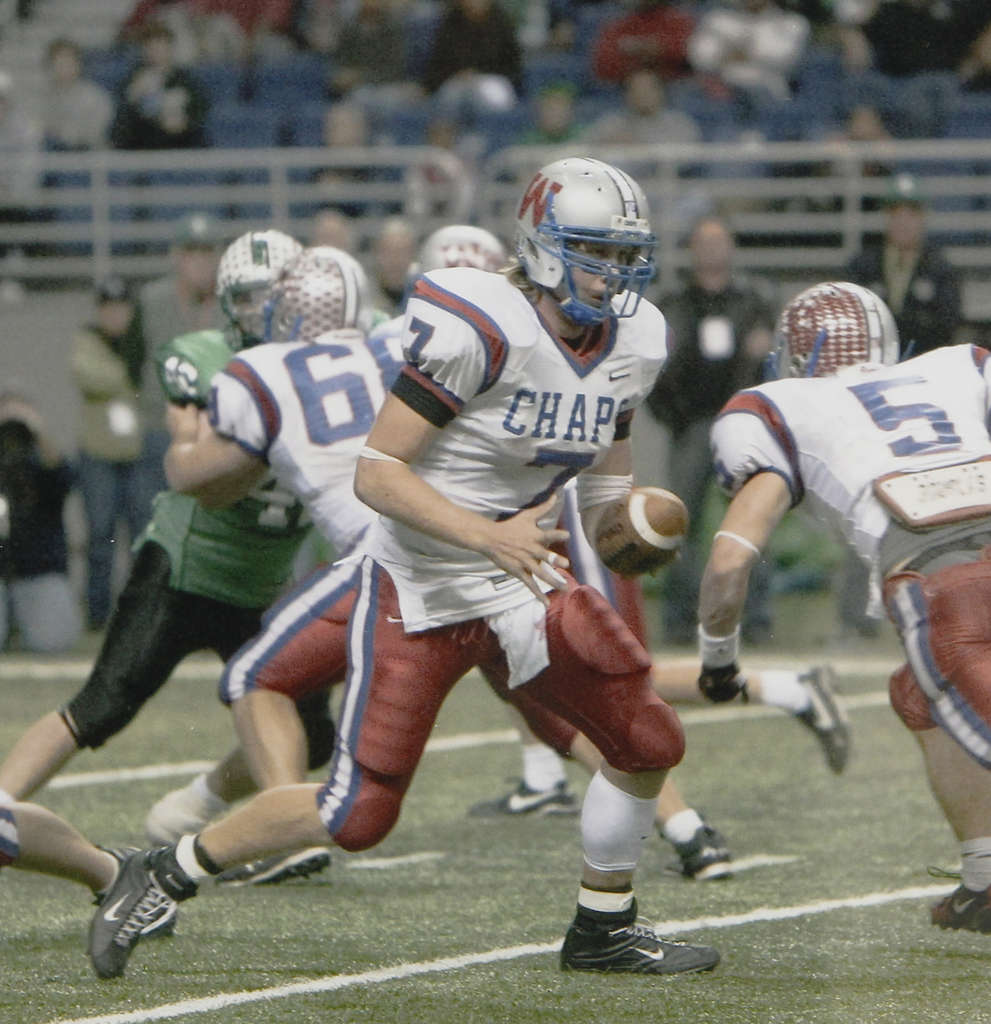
[(222, 83), (109, 67), (242, 126), (285, 83), (543, 69), (403, 126), (970, 117), (304, 124)]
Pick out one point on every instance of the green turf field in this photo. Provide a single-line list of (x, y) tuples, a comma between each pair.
[(454, 920)]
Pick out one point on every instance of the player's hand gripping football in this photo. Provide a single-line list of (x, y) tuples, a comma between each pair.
[(522, 547)]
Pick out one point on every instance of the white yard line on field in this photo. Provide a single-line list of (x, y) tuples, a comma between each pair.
[(709, 715), (335, 983)]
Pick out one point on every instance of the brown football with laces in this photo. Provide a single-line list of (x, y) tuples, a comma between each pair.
[(643, 532)]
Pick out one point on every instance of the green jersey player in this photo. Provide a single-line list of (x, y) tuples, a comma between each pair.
[(201, 578)]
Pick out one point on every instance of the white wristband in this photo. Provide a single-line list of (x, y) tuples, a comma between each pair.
[(718, 651)]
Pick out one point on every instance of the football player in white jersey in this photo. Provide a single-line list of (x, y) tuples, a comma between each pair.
[(512, 385), (897, 459)]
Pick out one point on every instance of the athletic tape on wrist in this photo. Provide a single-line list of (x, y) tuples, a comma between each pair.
[(718, 651)]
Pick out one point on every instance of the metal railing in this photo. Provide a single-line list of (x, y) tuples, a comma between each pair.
[(800, 210)]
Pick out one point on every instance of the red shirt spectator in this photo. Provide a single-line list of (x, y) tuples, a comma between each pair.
[(653, 36)]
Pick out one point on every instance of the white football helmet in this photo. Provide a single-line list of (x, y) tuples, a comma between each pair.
[(580, 213), (323, 289), (461, 245), (833, 325), (249, 267)]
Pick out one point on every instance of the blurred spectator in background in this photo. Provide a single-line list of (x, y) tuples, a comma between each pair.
[(20, 152), (475, 61), (924, 49), (910, 273), (107, 360), (370, 59), (162, 106), (654, 35), (346, 126), (644, 117), (720, 329), (394, 250), (554, 117), (218, 29), (748, 51), (36, 596), (181, 301), (331, 227), (75, 112)]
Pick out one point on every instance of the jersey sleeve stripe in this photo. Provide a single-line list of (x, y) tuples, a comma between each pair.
[(491, 335), (755, 404), (426, 397), (268, 408)]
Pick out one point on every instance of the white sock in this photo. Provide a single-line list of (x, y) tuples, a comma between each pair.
[(185, 854), (975, 861), (782, 689), (542, 767), (681, 827), (614, 826), (201, 789), (604, 902)]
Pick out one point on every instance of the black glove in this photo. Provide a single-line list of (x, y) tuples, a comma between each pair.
[(722, 684)]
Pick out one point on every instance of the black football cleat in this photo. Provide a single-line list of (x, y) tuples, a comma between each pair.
[(630, 945), (146, 889), (705, 857), (964, 909), (825, 717)]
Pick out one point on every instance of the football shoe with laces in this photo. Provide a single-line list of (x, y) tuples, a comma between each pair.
[(147, 887), (271, 870), (630, 945), (526, 801), (705, 857), (825, 717), (158, 927), (964, 909)]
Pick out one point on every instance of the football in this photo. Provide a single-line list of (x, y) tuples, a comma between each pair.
[(642, 533)]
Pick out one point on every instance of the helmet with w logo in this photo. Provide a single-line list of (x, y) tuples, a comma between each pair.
[(583, 214)]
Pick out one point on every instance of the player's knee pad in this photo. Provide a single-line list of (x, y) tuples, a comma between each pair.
[(314, 712), (655, 741), (910, 703), (614, 825), (374, 811), (590, 626)]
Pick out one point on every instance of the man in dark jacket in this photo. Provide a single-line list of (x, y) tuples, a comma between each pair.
[(720, 329), (911, 274)]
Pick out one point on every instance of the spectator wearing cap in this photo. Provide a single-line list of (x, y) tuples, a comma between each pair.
[(107, 360), (162, 106), (36, 596), (910, 272), (183, 300)]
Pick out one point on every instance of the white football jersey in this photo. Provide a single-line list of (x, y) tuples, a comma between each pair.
[(521, 414), (306, 409), (830, 438)]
